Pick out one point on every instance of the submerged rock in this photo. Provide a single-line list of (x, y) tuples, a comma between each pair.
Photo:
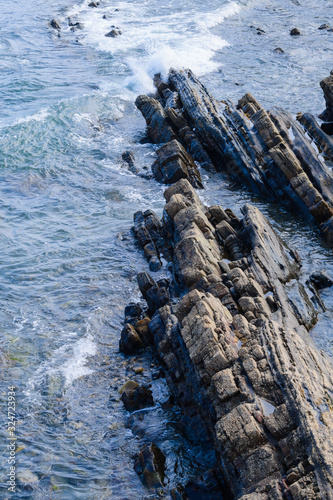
[(324, 27), (137, 398), (114, 33), (129, 158), (54, 24), (320, 279), (207, 487), (150, 466)]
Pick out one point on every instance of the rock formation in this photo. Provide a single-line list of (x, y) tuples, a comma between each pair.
[(238, 355), (269, 151), (234, 342)]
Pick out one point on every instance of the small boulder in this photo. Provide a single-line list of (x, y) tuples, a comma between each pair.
[(324, 27), (137, 399), (150, 466), (278, 50), (132, 311), (320, 279), (93, 4), (54, 24), (113, 33), (130, 341), (295, 32), (130, 385)]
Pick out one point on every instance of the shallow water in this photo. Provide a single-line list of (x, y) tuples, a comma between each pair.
[(68, 259)]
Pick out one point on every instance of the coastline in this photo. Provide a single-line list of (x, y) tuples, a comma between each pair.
[(235, 347), (77, 164)]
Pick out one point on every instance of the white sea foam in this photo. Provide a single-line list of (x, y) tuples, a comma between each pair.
[(154, 38), (67, 363), (217, 16), (38, 117), (76, 367)]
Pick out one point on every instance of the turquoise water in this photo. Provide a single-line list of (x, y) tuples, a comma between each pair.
[(68, 260)]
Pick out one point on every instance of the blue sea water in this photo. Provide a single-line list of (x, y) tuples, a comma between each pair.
[(68, 260)]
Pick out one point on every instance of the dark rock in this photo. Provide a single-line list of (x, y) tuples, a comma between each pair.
[(93, 4), (324, 27), (278, 50), (145, 282), (327, 127), (158, 374), (107, 16), (295, 32), (155, 295), (130, 341), (133, 310), (147, 229), (54, 24), (137, 399), (150, 466), (327, 87), (158, 127), (260, 31), (207, 487), (129, 158), (113, 33), (320, 279), (174, 163), (160, 84), (75, 25)]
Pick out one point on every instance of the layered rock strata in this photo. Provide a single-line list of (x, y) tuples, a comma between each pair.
[(238, 356), (268, 151)]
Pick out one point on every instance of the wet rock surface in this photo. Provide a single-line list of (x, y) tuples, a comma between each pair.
[(327, 87), (137, 398), (150, 466), (174, 163), (231, 324), (268, 151), (242, 365), (55, 25)]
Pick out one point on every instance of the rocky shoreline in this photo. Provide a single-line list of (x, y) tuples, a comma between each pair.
[(234, 344)]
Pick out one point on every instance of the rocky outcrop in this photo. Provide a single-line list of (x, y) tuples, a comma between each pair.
[(268, 151), (327, 86), (174, 163), (239, 360)]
